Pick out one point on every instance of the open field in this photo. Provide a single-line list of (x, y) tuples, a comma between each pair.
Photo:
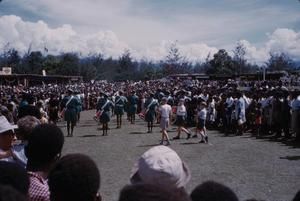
[(253, 168)]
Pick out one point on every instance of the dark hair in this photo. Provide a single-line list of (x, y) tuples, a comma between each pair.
[(253, 200), (74, 177), (297, 197), (149, 192), (15, 176), (30, 99), (211, 191), (7, 193), (44, 146), (239, 94)]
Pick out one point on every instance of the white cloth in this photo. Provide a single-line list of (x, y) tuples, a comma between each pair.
[(229, 102), (202, 114), (212, 111), (143, 101), (240, 110), (165, 110), (295, 104), (19, 152), (247, 101), (263, 102), (181, 110), (203, 97)]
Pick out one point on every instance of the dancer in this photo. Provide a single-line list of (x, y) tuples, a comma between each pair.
[(165, 112), (201, 118), (180, 120), (133, 101), (69, 107), (150, 111), (79, 107), (105, 107), (120, 103)]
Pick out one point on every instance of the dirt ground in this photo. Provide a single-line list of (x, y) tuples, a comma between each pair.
[(253, 168)]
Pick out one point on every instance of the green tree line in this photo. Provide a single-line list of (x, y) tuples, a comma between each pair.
[(96, 66)]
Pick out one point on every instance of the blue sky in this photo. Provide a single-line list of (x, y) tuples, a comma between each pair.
[(147, 26)]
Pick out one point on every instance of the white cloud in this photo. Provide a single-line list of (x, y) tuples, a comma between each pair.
[(21, 34), (145, 23), (280, 41), (192, 52), (285, 40), (254, 54), (197, 51)]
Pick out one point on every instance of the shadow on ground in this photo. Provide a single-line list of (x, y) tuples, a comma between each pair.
[(270, 138), (148, 145), (90, 136), (291, 158), (85, 125), (137, 133), (189, 143)]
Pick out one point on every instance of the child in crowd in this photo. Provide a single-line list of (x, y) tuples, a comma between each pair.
[(201, 118)]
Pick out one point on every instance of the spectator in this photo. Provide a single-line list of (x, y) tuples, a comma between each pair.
[(6, 139), (295, 106), (148, 192), (14, 175), (53, 106), (297, 197), (161, 166), (25, 127), (254, 200), (75, 177), (30, 109), (7, 193), (240, 113), (43, 150), (213, 191)]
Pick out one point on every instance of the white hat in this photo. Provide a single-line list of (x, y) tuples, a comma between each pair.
[(5, 125), (161, 166)]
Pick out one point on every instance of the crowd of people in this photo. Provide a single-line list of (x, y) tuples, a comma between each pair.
[(262, 108), (32, 168)]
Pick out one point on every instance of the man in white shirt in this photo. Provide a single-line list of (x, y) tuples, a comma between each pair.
[(165, 112), (295, 106), (228, 126), (240, 113)]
